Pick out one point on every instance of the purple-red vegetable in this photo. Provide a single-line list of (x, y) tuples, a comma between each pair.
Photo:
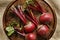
[(29, 27), (30, 36), (43, 30), (46, 18)]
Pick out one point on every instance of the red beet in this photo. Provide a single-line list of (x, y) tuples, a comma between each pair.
[(31, 36), (46, 18), (43, 30), (29, 27)]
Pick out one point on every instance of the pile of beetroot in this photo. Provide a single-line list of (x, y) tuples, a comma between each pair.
[(33, 26)]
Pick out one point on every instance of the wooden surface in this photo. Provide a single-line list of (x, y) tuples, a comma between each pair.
[(4, 3)]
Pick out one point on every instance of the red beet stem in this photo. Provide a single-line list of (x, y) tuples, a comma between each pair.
[(19, 31), (33, 8), (31, 20), (23, 34), (33, 17), (39, 6), (18, 14), (21, 13)]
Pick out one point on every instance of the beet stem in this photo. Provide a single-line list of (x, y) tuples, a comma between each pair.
[(19, 31), (22, 14), (23, 34), (18, 14), (39, 6), (33, 16), (33, 8), (31, 20)]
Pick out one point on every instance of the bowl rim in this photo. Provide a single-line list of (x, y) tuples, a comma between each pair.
[(54, 15)]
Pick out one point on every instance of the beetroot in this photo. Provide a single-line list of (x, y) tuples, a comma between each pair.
[(43, 30), (46, 18), (29, 27), (31, 36)]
